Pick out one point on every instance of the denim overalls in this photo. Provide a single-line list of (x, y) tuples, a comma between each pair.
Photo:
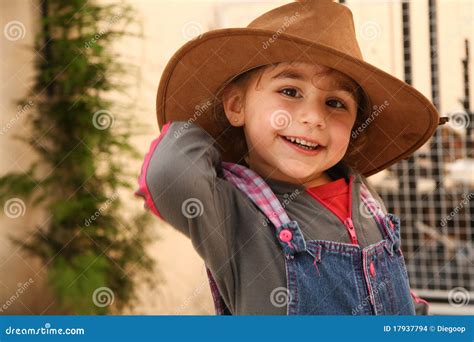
[(327, 277)]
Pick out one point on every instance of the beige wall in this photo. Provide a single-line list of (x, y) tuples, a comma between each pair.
[(16, 73), (185, 289)]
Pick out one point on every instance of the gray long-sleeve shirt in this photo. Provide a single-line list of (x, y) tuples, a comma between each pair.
[(186, 184)]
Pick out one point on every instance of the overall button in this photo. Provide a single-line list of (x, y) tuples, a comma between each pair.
[(286, 235), (372, 269)]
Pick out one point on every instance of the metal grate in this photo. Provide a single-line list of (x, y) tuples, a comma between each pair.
[(433, 192)]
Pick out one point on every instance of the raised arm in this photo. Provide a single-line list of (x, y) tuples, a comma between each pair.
[(180, 184)]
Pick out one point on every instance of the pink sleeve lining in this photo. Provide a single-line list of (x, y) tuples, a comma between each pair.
[(143, 190), (417, 299)]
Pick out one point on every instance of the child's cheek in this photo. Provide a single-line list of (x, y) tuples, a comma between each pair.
[(341, 123), (254, 133), (279, 118), (340, 135)]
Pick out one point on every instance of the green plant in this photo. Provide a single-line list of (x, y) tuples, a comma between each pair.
[(83, 149)]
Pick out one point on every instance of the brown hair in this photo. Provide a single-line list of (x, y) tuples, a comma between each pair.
[(236, 135)]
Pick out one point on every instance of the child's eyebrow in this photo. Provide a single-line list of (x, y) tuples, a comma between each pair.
[(337, 82), (293, 74)]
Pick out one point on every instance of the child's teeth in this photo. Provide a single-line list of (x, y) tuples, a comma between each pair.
[(302, 142)]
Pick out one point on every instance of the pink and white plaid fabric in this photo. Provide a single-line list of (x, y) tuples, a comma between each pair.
[(259, 192)]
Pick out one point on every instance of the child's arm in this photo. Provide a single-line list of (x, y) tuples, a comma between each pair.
[(179, 183)]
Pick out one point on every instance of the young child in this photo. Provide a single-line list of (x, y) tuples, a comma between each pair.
[(267, 135)]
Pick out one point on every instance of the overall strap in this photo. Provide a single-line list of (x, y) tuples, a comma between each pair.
[(250, 183), (288, 233), (382, 219)]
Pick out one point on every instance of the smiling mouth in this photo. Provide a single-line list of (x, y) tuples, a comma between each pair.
[(302, 143)]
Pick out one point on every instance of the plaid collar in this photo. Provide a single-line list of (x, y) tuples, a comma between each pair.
[(262, 194)]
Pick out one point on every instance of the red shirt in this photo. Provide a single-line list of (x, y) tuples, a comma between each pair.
[(333, 195)]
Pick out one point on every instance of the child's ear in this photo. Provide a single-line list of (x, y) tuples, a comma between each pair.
[(233, 102)]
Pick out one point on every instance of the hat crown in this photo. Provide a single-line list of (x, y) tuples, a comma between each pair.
[(323, 22)]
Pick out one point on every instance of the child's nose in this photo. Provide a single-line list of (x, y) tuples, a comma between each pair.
[(313, 114)]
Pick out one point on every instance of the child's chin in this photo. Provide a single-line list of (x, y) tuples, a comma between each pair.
[(295, 173)]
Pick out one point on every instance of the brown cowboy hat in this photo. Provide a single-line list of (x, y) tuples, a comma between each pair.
[(313, 31)]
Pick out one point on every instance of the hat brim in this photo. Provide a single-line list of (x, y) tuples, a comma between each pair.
[(199, 68)]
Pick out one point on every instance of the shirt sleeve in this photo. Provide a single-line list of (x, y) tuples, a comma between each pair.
[(181, 181)]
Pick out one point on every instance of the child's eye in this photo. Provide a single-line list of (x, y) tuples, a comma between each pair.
[(292, 92), (341, 104)]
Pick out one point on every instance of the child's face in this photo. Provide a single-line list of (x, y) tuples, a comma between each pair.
[(297, 100)]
